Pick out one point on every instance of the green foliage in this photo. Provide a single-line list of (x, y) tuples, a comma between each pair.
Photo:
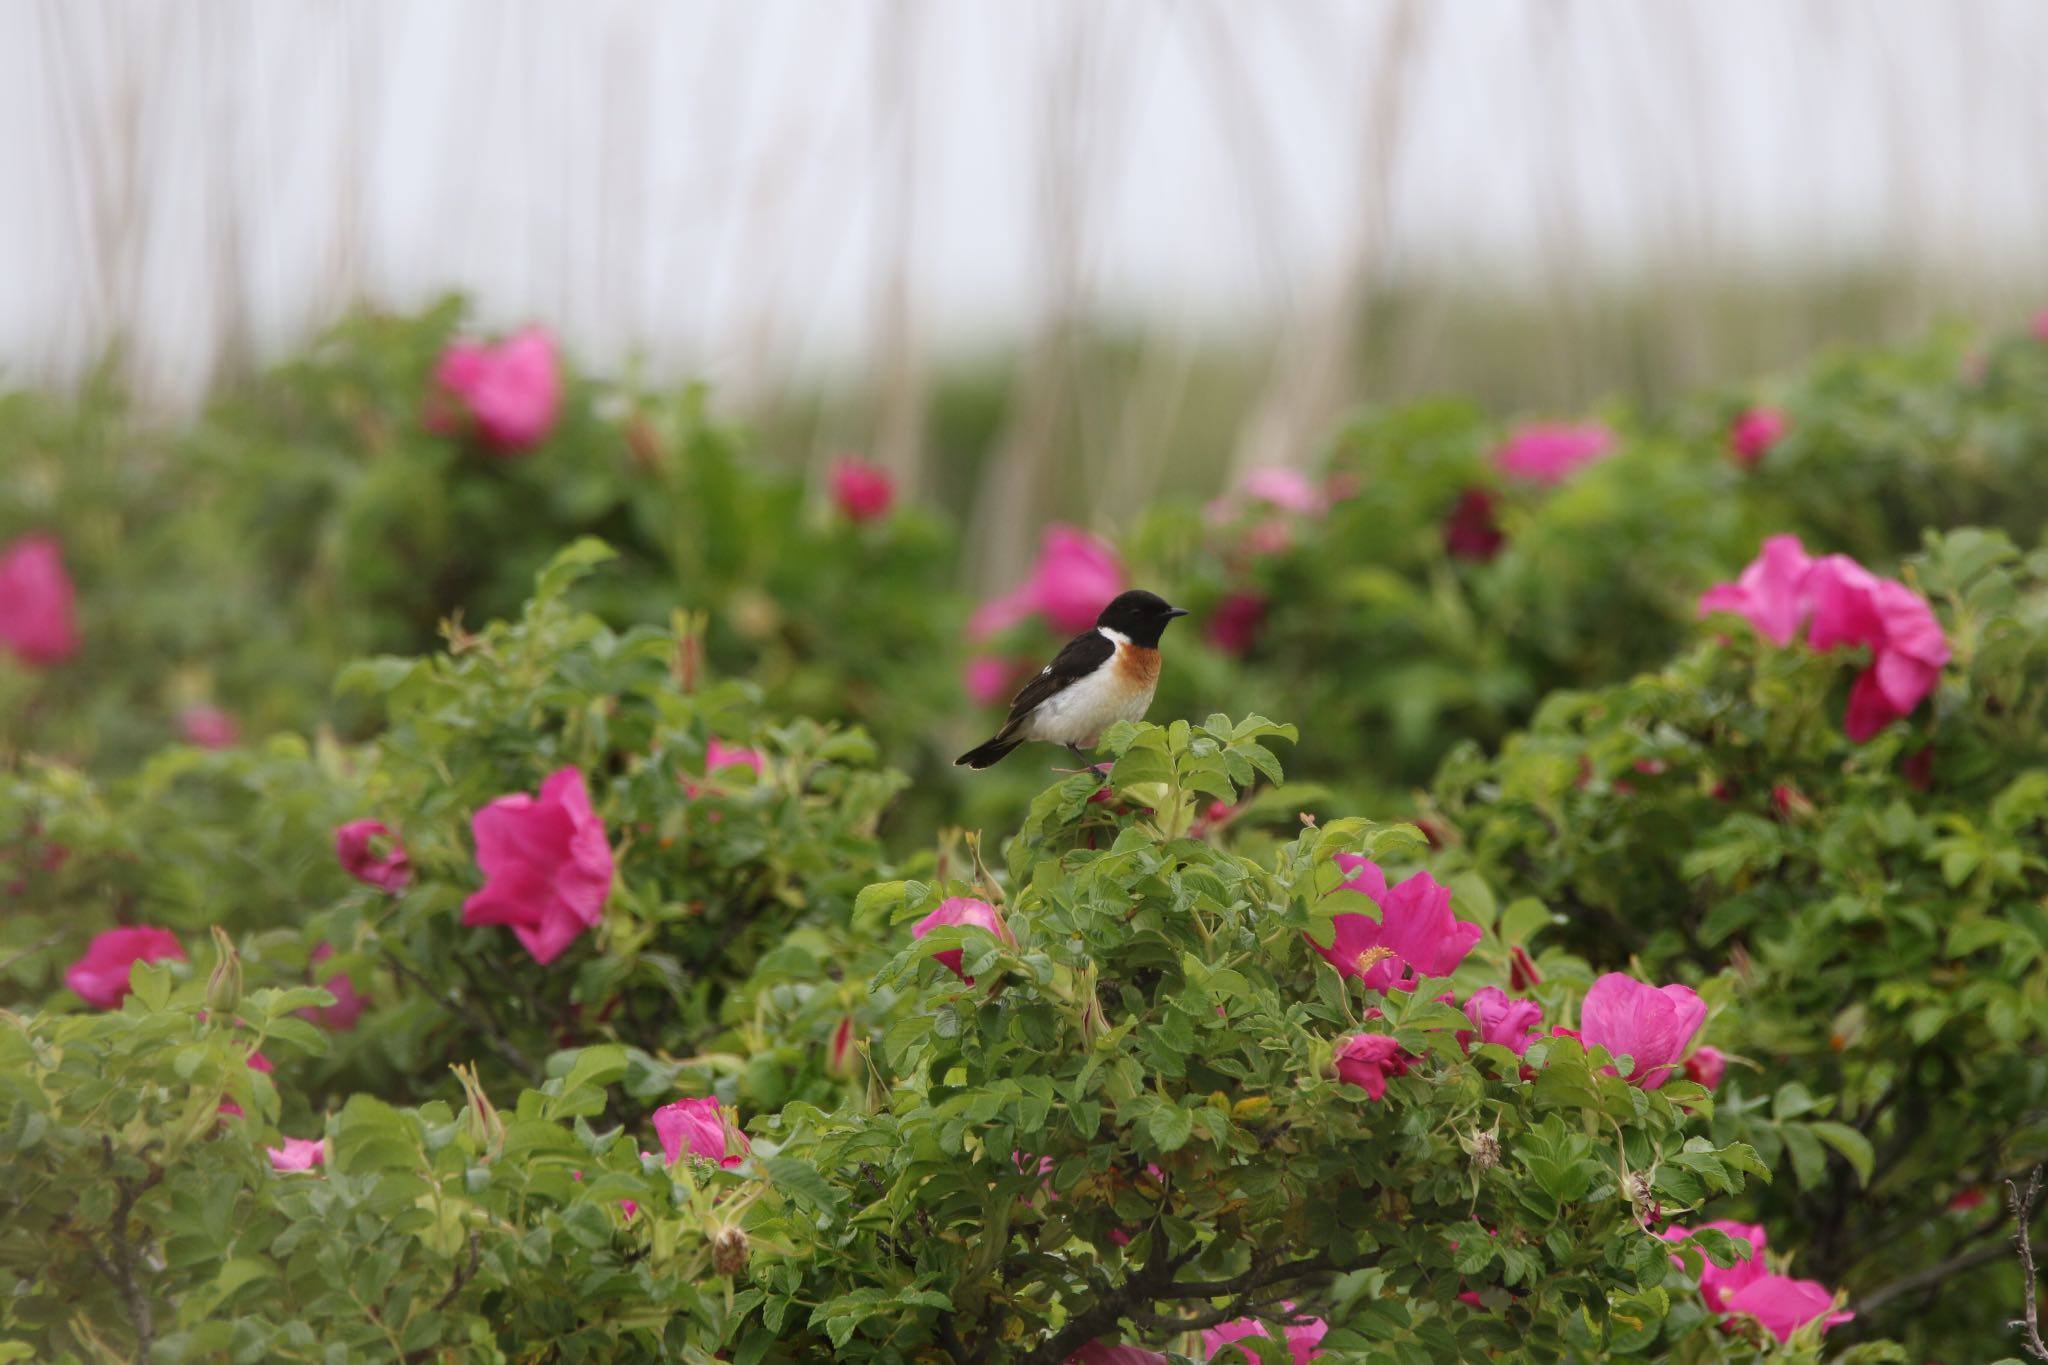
[(1128, 1123), (1401, 649), (1878, 906)]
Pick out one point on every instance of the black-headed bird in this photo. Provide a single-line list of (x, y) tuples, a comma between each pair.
[(1098, 678)]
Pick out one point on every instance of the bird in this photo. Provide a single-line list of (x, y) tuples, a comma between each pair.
[(1098, 678)]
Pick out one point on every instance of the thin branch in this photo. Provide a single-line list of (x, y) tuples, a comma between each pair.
[(482, 1023), (1927, 1277), (2022, 1206), (464, 1275), (1156, 1281), (119, 1268)]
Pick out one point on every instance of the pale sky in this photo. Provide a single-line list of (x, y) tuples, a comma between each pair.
[(721, 187)]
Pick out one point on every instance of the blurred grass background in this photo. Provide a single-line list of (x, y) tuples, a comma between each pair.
[(1040, 262)]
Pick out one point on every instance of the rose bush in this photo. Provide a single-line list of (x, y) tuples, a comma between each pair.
[(1149, 1019), (1867, 895)]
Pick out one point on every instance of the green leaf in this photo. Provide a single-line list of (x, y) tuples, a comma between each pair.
[(1854, 1147), (1170, 1127), (570, 563), (799, 1177)]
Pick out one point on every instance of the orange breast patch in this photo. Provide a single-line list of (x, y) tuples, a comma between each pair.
[(1137, 666)]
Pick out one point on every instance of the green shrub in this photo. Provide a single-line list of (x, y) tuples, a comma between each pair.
[(1877, 906)]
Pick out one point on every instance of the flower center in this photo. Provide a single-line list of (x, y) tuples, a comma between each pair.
[(1372, 957)]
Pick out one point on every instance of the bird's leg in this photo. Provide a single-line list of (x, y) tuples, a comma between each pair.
[(1079, 757)]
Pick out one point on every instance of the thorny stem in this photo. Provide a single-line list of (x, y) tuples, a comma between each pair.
[(2022, 1206)]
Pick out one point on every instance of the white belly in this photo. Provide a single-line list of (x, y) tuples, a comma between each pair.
[(1082, 712)]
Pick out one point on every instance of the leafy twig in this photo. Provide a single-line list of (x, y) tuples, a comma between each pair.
[(482, 1023), (119, 1268), (1927, 1277), (2022, 1206), (1156, 1281), (465, 1274)]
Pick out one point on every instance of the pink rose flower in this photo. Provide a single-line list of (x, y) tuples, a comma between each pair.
[(1718, 1282), (355, 844), (1416, 935), (1772, 593), (990, 680), (546, 865), (1784, 1305), (1498, 1019), (2040, 327), (1851, 606), (1706, 1067), (1755, 431), (718, 754), (961, 910), (1366, 1060), (38, 612), (861, 491), (298, 1154), (1552, 452), (100, 978), (1287, 489), (702, 1128), (1234, 626), (1472, 530), (1651, 1025), (209, 727), (508, 393), (1074, 578), (1304, 1340), (349, 1003)]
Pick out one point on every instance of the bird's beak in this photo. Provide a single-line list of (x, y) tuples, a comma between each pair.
[(1172, 612)]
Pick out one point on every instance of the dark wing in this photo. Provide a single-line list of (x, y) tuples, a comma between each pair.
[(1079, 657)]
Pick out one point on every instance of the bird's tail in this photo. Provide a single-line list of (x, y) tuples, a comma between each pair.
[(994, 751)]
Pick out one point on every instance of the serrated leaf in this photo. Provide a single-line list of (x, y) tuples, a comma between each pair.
[(1854, 1147)]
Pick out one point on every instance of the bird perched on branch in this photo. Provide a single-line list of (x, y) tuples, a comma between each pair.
[(1098, 678)]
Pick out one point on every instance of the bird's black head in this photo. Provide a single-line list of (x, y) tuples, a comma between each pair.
[(1139, 616)]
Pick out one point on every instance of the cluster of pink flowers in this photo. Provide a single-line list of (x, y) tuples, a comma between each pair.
[(962, 910), (1264, 509), (1842, 603), (1418, 937), (860, 490), (1749, 1288), (507, 394), (1550, 452), (38, 605)]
